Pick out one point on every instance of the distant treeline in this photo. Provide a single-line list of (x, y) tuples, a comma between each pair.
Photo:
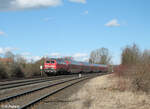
[(15, 66)]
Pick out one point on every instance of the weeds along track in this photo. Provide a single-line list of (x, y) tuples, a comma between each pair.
[(30, 98), (14, 84)]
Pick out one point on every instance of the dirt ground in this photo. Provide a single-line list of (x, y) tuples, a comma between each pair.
[(99, 94)]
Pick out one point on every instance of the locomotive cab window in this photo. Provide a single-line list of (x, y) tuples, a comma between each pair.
[(47, 61), (52, 62)]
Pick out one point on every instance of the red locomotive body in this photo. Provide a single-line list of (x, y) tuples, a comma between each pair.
[(55, 66)]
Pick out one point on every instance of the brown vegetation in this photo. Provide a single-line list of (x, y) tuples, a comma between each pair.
[(15, 66), (98, 93), (134, 71)]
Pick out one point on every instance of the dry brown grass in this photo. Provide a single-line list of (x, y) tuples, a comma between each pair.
[(99, 93), (133, 78)]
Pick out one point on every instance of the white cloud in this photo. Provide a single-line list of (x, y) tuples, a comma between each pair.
[(36, 58), (78, 1), (7, 49), (85, 59), (80, 56), (112, 23), (29, 57), (76, 56), (25, 4), (26, 54), (55, 54), (2, 33), (32, 58)]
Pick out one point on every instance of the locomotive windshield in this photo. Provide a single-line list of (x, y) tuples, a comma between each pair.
[(47, 61), (50, 62)]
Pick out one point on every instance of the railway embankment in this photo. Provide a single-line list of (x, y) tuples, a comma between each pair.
[(101, 93)]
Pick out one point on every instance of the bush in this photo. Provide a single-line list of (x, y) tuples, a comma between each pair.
[(17, 71), (3, 73), (134, 72), (130, 55), (32, 69), (17, 66), (141, 78), (120, 72)]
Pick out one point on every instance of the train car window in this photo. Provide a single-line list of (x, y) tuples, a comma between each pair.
[(47, 61), (86, 64), (74, 62), (101, 65), (58, 62), (63, 62)]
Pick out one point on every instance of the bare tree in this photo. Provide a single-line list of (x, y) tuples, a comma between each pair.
[(100, 56), (9, 55), (3, 72), (130, 55), (20, 59), (146, 57)]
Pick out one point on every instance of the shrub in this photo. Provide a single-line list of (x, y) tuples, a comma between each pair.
[(3, 73), (134, 72), (141, 78), (17, 71), (130, 55)]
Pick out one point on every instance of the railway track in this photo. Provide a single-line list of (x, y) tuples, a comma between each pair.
[(12, 79), (15, 84), (30, 98)]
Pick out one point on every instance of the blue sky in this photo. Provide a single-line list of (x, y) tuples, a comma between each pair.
[(37, 28)]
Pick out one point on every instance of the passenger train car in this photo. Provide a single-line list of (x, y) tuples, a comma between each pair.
[(65, 66)]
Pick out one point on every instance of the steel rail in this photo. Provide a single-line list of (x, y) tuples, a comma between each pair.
[(31, 82), (27, 80), (51, 93), (34, 90), (21, 81), (12, 79)]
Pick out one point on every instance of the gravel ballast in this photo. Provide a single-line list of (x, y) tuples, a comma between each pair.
[(14, 91), (58, 100)]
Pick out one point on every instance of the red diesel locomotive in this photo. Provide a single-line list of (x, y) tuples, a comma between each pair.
[(64, 66)]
